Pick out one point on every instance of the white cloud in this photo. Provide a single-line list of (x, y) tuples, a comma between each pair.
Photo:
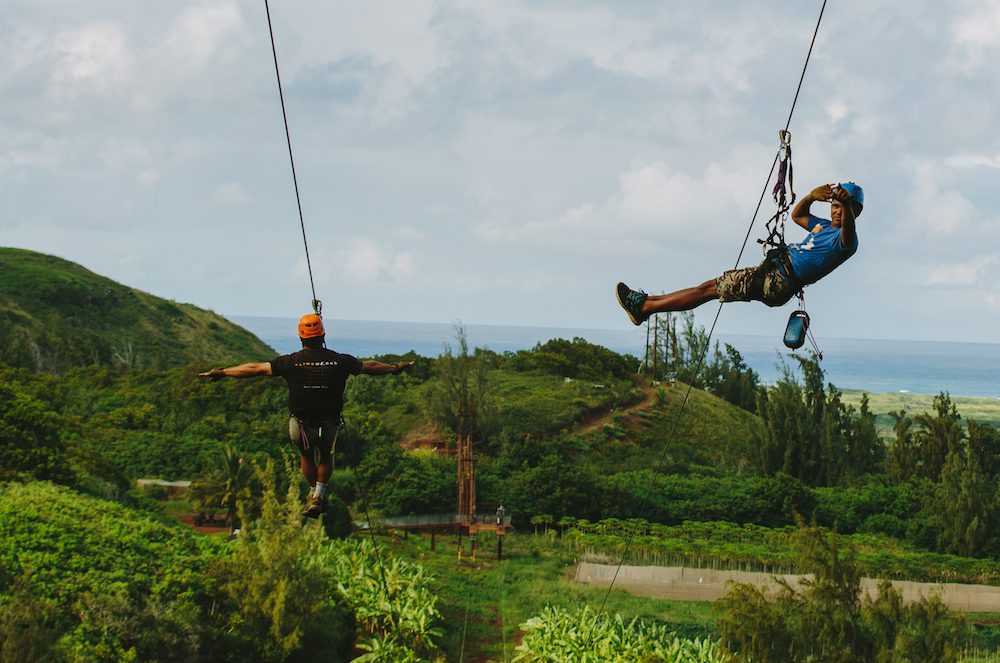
[(966, 273), (200, 32), (231, 193), (837, 110), (974, 34), (969, 160), (367, 261), (148, 177), (92, 58), (935, 206), (409, 234), (655, 202)]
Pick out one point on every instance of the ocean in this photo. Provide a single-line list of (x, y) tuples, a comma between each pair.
[(919, 367)]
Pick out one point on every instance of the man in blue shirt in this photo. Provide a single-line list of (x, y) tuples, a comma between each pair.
[(783, 273)]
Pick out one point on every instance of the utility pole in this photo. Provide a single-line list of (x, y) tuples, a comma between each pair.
[(656, 344)]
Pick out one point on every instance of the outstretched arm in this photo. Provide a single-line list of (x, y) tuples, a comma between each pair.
[(370, 367), (800, 214), (250, 370)]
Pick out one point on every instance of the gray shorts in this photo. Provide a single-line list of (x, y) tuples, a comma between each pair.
[(763, 283), (314, 438)]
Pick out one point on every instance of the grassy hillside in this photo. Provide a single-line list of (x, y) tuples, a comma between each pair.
[(55, 315)]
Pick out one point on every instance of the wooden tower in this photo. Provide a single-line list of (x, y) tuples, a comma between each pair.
[(466, 480)]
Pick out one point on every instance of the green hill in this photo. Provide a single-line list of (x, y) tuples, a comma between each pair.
[(55, 315)]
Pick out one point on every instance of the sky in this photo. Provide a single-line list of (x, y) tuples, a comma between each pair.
[(505, 162)]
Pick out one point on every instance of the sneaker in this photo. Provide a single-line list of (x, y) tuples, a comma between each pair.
[(315, 507), (631, 300)]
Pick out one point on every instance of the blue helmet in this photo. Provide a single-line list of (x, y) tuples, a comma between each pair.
[(856, 193)]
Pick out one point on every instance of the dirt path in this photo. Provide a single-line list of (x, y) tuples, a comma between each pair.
[(595, 421), (687, 584)]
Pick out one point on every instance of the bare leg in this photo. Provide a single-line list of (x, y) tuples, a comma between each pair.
[(681, 300), (309, 468), (324, 469)]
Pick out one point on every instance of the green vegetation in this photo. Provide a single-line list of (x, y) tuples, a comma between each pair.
[(983, 410), (567, 437), (484, 602), (83, 579), (826, 620), (771, 550), (109, 582), (55, 315), (588, 637)]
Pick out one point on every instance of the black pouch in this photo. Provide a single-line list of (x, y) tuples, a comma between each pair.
[(795, 330)]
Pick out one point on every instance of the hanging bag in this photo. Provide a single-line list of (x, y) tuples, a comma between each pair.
[(796, 329)]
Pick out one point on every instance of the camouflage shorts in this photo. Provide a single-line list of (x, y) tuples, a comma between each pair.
[(316, 441), (763, 283)]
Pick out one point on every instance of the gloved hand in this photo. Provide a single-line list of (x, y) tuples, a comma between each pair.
[(822, 192)]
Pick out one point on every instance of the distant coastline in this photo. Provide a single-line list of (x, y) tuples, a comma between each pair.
[(877, 366)]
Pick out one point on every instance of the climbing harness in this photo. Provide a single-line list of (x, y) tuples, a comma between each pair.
[(775, 249), (701, 359), (775, 226)]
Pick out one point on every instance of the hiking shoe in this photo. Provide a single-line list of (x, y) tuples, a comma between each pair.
[(315, 507), (632, 300)]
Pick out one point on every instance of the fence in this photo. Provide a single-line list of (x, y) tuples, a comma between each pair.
[(440, 520)]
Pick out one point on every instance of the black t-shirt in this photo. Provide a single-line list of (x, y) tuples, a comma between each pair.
[(316, 379)]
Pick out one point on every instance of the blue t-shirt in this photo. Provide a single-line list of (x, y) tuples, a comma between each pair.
[(820, 252)]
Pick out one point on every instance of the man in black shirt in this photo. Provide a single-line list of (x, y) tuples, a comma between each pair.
[(316, 380)]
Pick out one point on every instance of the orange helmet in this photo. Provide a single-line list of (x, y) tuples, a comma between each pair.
[(311, 326)]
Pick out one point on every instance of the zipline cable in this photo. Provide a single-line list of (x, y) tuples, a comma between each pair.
[(316, 304), (701, 360), (465, 626), (371, 530), (503, 613)]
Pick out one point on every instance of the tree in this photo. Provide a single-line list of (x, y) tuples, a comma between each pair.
[(904, 453), (810, 434), (984, 446), (30, 446), (965, 506), (733, 380), (826, 620), (227, 482), (564, 522), (28, 625), (461, 400), (939, 435), (544, 520), (278, 603)]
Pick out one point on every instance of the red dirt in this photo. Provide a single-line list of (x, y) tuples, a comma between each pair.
[(425, 436), (201, 529), (632, 420)]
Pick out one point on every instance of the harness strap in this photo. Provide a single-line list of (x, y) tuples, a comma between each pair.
[(775, 226)]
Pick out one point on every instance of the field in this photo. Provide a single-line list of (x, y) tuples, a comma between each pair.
[(983, 410), (484, 602)]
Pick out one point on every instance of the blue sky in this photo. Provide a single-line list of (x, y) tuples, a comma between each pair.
[(504, 162)]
